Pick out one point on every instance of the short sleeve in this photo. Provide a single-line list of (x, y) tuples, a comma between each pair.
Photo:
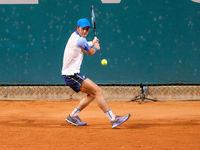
[(82, 43)]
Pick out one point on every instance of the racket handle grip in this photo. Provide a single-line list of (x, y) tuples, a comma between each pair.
[(95, 37)]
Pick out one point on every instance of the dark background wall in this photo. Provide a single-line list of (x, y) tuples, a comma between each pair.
[(156, 42)]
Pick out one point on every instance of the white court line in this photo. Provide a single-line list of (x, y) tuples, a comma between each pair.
[(197, 1), (19, 1), (110, 1)]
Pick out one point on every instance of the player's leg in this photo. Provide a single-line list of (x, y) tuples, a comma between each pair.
[(75, 81), (85, 101), (94, 92)]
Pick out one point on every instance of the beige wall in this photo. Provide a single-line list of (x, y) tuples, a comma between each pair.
[(112, 93)]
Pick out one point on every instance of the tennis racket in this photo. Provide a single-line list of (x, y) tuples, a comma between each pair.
[(93, 21)]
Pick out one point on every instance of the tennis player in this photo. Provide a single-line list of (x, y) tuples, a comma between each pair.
[(76, 46)]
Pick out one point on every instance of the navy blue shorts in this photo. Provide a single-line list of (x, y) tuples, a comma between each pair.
[(74, 81)]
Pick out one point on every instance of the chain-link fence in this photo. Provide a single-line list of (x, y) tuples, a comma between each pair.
[(111, 92)]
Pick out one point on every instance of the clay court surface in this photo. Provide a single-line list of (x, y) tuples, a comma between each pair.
[(40, 125)]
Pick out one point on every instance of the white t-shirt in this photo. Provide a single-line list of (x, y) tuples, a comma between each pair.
[(73, 54)]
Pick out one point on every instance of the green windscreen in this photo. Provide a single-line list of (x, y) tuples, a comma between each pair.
[(143, 41)]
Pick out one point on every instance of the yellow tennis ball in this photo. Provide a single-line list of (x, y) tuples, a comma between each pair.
[(104, 62)]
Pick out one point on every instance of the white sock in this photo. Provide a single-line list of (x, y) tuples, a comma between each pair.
[(75, 112), (110, 115)]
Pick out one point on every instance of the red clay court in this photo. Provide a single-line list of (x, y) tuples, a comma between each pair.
[(41, 125)]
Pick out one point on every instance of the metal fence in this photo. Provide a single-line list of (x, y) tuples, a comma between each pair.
[(111, 92)]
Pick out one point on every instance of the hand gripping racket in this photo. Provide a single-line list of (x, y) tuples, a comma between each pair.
[(93, 21)]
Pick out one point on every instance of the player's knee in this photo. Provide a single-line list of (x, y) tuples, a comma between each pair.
[(99, 91)]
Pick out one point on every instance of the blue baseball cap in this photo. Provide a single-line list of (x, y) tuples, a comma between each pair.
[(83, 23)]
